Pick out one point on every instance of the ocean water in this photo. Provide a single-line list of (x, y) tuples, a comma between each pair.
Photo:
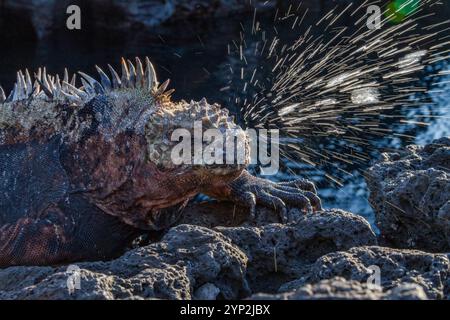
[(440, 96)]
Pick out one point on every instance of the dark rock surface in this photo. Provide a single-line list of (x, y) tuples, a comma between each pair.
[(396, 268), (410, 193), (341, 289), (278, 253), (188, 260), (193, 262), (327, 255)]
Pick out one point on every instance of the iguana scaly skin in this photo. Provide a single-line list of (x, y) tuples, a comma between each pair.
[(85, 170)]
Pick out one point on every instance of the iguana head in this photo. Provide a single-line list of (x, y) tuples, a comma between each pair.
[(180, 136), (135, 101)]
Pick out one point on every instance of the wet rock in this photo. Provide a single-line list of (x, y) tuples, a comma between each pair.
[(399, 271), (186, 259), (339, 288), (410, 193)]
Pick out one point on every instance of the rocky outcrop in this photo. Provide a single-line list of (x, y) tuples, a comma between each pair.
[(327, 255), (410, 193), (278, 253), (341, 289), (188, 261), (193, 262), (395, 268)]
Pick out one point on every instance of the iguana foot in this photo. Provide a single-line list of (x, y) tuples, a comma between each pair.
[(249, 191)]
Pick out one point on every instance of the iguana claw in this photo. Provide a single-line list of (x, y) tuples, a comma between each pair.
[(250, 191)]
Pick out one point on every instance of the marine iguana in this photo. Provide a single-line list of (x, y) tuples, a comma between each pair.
[(85, 170)]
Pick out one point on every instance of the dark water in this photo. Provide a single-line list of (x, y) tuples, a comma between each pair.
[(191, 53), (187, 52)]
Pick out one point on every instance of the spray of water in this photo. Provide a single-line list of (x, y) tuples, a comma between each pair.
[(332, 89)]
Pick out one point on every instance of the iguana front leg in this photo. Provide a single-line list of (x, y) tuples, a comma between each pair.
[(249, 191)]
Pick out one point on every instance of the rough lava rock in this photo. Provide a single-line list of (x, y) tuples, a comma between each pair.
[(327, 255), (339, 288), (400, 271), (410, 193), (188, 260), (194, 262), (278, 253)]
